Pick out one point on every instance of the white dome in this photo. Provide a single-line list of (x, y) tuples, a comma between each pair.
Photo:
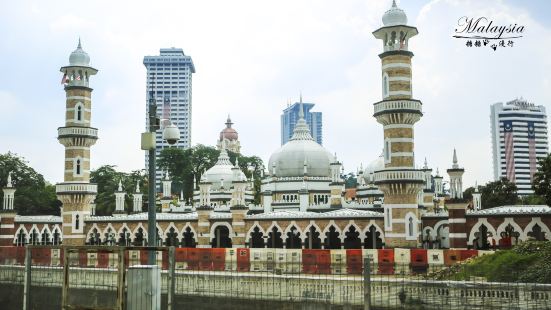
[(301, 149), (376, 165), (395, 16), (79, 57), (220, 172)]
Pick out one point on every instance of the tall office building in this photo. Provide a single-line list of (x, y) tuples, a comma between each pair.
[(169, 80), (290, 117), (519, 140)]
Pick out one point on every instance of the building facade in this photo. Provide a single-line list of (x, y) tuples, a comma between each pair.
[(290, 117), (519, 140), (169, 80)]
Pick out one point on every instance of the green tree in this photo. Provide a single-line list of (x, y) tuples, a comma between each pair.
[(185, 164), (499, 193), (107, 179), (350, 180), (542, 179), (468, 193), (33, 194)]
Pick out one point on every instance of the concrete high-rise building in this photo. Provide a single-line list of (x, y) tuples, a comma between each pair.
[(169, 80), (289, 119), (519, 140)]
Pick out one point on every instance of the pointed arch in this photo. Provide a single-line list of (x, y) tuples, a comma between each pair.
[(46, 235), (255, 224), (225, 241), (293, 236), (481, 221), (332, 236), (510, 221), (171, 225), (412, 226), (308, 228), (351, 223), (25, 237), (352, 236), (57, 235), (537, 221), (79, 112), (365, 231), (188, 239), (144, 231)]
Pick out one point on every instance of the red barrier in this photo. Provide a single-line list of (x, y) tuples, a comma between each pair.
[(205, 259), (316, 261), (243, 260), (41, 256), (164, 264), (144, 257), (354, 263), (466, 254), (218, 258), (385, 261), (7, 255), (419, 261), (180, 255), (505, 243), (82, 258), (20, 255), (452, 257), (103, 259)]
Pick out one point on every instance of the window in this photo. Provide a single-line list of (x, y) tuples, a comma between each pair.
[(79, 113), (387, 151), (385, 85), (77, 222), (410, 224), (78, 167), (79, 110)]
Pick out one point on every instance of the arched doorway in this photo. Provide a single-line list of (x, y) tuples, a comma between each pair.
[(57, 237), (188, 238), (221, 237), (352, 239), (172, 238), (257, 238), (332, 240), (93, 239), (443, 237), (480, 241), (373, 239), (274, 239), (21, 238), (293, 239), (313, 240)]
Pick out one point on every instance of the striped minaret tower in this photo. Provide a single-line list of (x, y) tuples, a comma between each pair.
[(398, 112), (76, 193)]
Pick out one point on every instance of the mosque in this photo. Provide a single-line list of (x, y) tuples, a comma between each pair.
[(302, 191)]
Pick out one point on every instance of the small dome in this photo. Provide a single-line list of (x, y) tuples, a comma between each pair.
[(395, 16), (376, 165), (301, 149), (223, 172), (229, 133), (79, 57)]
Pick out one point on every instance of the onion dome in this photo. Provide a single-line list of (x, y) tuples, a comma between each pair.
[(79, 57), (394, 16), (221, 172), (376, 165), (229, 133), (301, 153)]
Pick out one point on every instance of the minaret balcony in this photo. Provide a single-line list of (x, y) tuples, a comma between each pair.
[(398, 106), (399, 176), (77, 132), (76, 188)]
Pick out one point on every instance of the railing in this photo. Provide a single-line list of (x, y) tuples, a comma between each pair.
[(76, 188), (389, 105), (77, 131), (400, 175)]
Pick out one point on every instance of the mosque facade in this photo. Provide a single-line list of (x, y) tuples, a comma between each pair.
[(302, 189)]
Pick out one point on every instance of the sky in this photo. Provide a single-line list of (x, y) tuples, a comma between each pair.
[(251, 58)]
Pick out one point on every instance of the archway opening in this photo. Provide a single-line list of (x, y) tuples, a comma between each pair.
[(257, 238), (221, 238), (373, 239), (352, 239), (332, 240), (293, 239), (313, 240), (188, 240), (274, 239), (172, 238)]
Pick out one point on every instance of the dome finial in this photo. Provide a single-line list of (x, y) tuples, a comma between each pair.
[(301, 108), (9, 180), (138, 186), (455, 165), (228, 121), (394, 4), (120, 186), (79, 45)]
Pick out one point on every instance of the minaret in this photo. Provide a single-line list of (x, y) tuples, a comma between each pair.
[(137, 196), (428, 192), (7, 214), (337, 184), (119, 200), (75, 192), (477, 198), (456, 179), (438, 188), (167, 193), (398, 112)]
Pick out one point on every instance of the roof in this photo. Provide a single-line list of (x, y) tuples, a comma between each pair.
[(513, 210), (38, 219), (142, 217), (341, 213)]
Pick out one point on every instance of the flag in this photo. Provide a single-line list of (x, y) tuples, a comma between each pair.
[(78, 78), (532, 149), (64, 78), (403, 40), (509, 150)]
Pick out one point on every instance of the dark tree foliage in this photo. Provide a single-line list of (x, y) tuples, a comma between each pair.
[(542, 179), (107, 179), (499, 193), (350, 180), (33, 194), (468, 193), (185, 164)]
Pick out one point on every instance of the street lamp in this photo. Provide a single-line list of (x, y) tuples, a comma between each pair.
[(171, 134)]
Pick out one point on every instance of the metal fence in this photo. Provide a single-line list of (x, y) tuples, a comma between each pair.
[(101, 278)]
